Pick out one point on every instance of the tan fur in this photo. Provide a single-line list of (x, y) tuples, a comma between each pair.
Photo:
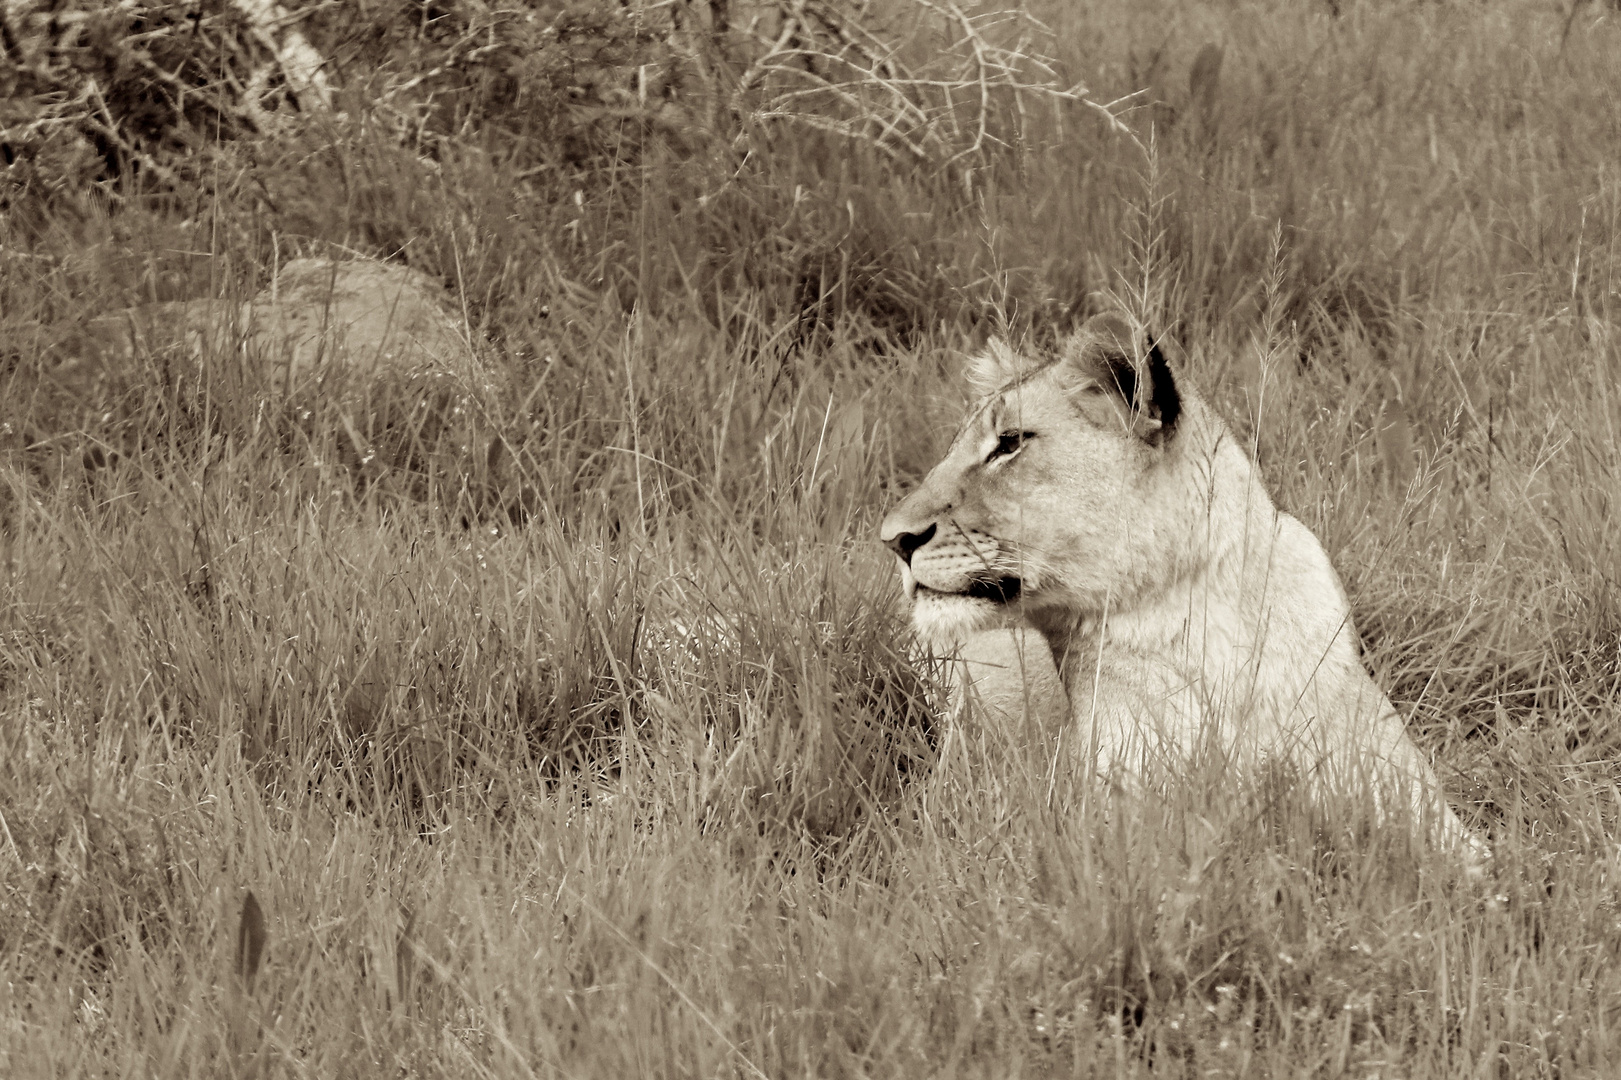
[(1005, 675), (1179, 604)]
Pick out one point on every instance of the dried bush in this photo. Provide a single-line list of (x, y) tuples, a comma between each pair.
[(104, 94), (107, 93), (930, 83)]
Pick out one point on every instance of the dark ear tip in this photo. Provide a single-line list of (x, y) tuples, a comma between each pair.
[(1167, 347), (1165, 398)]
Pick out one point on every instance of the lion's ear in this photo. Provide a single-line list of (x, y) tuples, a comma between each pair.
[(1109, 355), (994, 367)]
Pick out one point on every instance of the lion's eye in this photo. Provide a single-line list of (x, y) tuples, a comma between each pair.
[(1009, 443)]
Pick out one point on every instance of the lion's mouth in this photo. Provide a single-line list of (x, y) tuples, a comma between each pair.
[(997, 591)]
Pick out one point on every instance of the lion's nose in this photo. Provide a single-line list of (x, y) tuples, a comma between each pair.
[(904, 543)]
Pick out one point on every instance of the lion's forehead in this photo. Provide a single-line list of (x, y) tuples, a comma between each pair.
[(1034, 399), (972, 431)]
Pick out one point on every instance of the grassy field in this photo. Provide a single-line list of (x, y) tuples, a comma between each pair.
[(569, 725)]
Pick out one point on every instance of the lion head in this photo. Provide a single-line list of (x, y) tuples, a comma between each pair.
[(1048, 501)]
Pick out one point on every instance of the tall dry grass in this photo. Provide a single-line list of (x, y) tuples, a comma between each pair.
[(566, 724)]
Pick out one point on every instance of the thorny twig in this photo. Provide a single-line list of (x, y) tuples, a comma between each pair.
[(823, 68)]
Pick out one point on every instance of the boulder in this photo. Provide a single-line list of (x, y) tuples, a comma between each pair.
[(365, 316), (368, 316)]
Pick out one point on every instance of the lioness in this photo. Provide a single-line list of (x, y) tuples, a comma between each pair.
[(1097, 499)]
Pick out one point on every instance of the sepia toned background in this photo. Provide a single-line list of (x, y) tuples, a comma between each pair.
[(441, 451)]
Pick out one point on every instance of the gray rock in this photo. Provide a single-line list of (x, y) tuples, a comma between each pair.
[(367, 316), (317, 314)]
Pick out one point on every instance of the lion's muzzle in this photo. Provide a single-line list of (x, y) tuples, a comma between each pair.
[(946, 560)]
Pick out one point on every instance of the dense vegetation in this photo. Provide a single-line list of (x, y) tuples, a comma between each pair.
[(565, 723)]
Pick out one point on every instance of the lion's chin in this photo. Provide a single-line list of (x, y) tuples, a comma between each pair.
[(947, 619)]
